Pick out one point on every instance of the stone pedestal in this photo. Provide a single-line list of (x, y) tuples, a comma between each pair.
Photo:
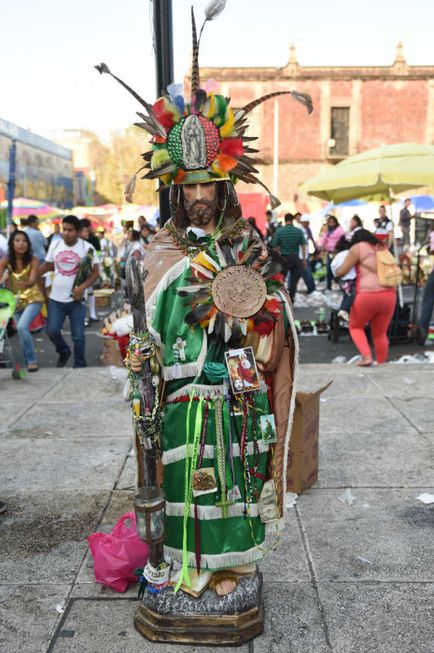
[(210, 620)]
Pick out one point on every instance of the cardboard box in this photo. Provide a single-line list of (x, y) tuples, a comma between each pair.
[(302, 470)]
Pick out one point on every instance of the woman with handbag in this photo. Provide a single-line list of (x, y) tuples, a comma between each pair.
[(22, 267), (375, 294)]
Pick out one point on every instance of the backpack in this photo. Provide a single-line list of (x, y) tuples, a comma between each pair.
[(388, 271)]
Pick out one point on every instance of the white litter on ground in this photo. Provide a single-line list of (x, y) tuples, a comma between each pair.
[(347, 497), (426, 498), (339, 360), (426, 357), (291, 499)]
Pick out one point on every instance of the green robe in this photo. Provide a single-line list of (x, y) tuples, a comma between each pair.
[(224, 541)]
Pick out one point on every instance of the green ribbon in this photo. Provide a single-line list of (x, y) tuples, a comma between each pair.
[(215, 372), (190, 467)]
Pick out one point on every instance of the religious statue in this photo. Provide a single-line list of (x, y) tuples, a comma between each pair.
[(222, 337)]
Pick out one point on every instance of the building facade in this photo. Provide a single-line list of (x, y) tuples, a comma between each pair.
[(43, 168), (355, 109)]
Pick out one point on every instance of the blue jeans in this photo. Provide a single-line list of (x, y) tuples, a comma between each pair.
[(427, 303), (307, 277), (57, 312), (23, 320)]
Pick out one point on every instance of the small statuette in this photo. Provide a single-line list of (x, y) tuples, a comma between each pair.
[(179, 348)]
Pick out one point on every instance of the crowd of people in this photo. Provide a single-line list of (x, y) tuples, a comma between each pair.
[(44, 274), (53, 278), (350, 260)]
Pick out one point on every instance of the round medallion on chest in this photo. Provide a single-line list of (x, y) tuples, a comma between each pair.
[(239, 291)]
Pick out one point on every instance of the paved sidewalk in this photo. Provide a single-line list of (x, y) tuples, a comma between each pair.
[(346, 578)]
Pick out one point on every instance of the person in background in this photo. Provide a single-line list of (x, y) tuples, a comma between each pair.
[(347, 283), (355, 224), (271, 226), (373, 302), (23, 267), (142, 222), (405, 219), (56, 235), (37, 240), (92, 239), (291, 241), (136, 248), (65, 257), (3, 246), (306, 273), (84, 233), (146, 234), (384, 227), (254, 225), (328, 244), (427, 299)]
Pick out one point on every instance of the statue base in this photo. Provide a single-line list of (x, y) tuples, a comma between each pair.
[(209, 620)]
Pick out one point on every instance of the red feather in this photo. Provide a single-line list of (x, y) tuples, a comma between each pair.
[(163, 116), (232, 147)]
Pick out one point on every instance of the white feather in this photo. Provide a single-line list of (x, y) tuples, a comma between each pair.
[(202, 270), (212, 323), (214, 9)]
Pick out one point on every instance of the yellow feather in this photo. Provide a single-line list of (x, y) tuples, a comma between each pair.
[(228, 127), (212, 106)]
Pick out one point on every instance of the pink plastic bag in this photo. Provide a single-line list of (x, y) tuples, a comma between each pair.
[(118, 554)]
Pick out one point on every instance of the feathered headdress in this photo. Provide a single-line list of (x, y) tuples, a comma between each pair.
[(202, 139)]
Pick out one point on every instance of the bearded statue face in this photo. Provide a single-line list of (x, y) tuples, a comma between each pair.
[(200, 203)]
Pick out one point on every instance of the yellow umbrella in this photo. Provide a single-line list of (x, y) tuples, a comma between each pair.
[(391, 168)]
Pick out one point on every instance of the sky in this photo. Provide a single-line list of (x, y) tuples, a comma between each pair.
[(48, 49)]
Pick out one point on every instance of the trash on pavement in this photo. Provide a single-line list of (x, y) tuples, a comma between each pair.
[(291, 499), (347, 497), (426, 498)]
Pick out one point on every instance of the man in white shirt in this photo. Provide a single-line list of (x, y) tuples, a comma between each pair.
[(64, 257)]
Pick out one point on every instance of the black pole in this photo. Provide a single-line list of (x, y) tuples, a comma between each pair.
[(163, 40), (11, 181)]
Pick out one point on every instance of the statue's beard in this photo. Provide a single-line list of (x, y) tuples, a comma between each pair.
[(200, 212)]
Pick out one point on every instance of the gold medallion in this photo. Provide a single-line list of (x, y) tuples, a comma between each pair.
[(239, 291)]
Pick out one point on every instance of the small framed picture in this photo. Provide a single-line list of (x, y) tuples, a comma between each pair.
[(204, 481), (268, 428), (243, 373)]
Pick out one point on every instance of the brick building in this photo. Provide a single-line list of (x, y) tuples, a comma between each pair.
[(356, 108)]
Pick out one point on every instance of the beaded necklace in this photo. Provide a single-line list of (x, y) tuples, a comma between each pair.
[(192, 249)]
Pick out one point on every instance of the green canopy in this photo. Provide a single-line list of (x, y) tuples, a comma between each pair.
[(376, 173)]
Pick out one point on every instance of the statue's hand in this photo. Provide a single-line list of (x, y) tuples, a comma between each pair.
[(136, 363)]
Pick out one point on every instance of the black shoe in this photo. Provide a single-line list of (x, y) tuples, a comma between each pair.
[(94, 319), (63, 359), (3, 507), (86, 323)]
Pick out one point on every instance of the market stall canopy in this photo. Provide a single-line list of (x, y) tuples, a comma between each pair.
[(23, 207), (388, 169), (423, 203)]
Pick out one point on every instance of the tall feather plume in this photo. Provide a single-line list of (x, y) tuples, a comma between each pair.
[(129, 189), (303, 98), (150, 123), (103, 68), (195, 81), (212, 10)]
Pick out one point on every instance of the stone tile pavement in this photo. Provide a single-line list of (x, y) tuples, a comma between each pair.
[(346, 578)]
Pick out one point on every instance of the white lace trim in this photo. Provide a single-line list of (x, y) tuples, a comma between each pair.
[(211, 512), (178, 453)]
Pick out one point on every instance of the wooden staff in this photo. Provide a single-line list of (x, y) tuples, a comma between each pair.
[(146, 458)]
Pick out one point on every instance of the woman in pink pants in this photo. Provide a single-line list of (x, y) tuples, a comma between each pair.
[(373, 303)]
